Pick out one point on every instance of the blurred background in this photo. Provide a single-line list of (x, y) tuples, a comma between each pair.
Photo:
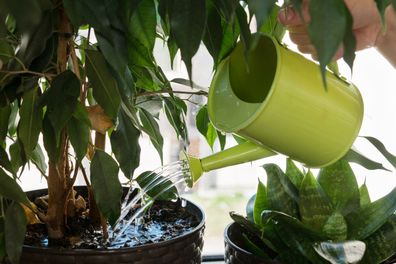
[(228, 189)]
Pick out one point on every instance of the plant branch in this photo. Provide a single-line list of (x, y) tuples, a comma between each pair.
[(172, 92), (9, 73)]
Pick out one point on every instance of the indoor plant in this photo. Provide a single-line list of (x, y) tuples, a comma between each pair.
[(300, 219), (58, 84)]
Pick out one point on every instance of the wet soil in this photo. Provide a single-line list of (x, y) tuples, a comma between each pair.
[(164, 220)]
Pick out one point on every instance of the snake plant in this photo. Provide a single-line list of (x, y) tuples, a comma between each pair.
[(299, 218)]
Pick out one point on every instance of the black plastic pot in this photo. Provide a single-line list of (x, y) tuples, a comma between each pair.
[(185, 249), (234, 251)]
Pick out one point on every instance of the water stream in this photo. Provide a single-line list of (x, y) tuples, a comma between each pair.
[(136, 205)]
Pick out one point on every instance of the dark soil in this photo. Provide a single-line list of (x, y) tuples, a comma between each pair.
[(164, 220)]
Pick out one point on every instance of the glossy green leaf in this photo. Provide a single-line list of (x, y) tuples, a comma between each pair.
[(245, 34), (261, 9), (11, 190), (315, 207), (253, 248), (349, 41), (139, 55), (176, 118), (245, 223), (340, 185), (260, 203), (371, 217), (38, 158), (222, 139), (381, 148), (142, 23), (30, 122), (15, 228), (336, 227), (282, 195), (106, 185), (358, 158), (364, 195), (293, 173), (125, 144), (187, 26), (150, 126), (381, 244), (157, 186), (62, 99), (250, 207), (49, 138), (327, 29), (13, 122), (272, 25), (105, 88), (5, 113), (5, 161), (79, 134), (18, 158), (345, 252), (227, 8)]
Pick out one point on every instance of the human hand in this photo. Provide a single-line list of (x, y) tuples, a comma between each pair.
[(366, 26)]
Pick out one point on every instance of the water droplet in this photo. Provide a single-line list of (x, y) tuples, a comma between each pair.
[(183, 202)]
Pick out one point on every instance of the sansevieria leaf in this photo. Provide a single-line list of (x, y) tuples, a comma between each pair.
[(343, 252), (364, 195), (336, 228), (30, 122), (371, 217), (106, 185), (315, 207), (293, 173), (281, 193), (104, 85), (260, 203)]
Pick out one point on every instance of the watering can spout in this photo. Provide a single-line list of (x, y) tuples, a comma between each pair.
[(238, 154)]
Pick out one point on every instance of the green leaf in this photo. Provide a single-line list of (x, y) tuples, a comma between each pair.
[(38, 159), (142, 23), (282, 195), (345, 252), (30, 123), (364, 195), (106, 185), (205, 127), (49, 138), (261, 9), (340, 185), (381, 6), (245, 36), (327, 29), (157, 186), (293, 173), (5, 113), (315, 207), (358, 158), (151, 127), (62, 99), (249, 208), (362, 223), (187, 26), (105, 88), (15, 228), (175, 116), (253, 248), (336, 227), (139, 55), (272, 25), (13, 122), (381, 244), (260, 203), (125, 144), (79, 133), (245, 223), (381, 148), (11, 190), (227, 8), (18, 158), (222, 139), (349, 40), (5, 161), (6, 51)]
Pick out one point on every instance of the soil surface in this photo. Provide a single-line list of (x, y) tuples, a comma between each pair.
[(165, 220)]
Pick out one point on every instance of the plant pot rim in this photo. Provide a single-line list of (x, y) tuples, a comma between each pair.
[(194, 208)]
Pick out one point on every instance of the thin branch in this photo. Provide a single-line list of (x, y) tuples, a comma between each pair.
[(172, 92), (8, 73), (73, 179), (84, 173)]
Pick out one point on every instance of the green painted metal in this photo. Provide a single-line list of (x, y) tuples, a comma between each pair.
[(276, 99)]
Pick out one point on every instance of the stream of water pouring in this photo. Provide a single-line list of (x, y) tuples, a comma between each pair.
[(174, 173)]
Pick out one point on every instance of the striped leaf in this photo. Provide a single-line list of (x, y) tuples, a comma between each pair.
[(260, 203), (294, 173), (336, 227), (315, 207), (345, 252)]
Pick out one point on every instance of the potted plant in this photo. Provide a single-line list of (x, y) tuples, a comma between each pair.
[(297, 218)]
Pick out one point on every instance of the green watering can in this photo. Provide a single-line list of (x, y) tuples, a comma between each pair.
[(278, 102)]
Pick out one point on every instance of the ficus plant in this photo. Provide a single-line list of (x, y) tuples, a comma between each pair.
[(323, 219), (76, 75)]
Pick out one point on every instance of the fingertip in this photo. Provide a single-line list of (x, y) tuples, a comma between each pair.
[(287, 15)]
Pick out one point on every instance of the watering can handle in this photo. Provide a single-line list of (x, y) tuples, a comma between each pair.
[(238, 154)]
